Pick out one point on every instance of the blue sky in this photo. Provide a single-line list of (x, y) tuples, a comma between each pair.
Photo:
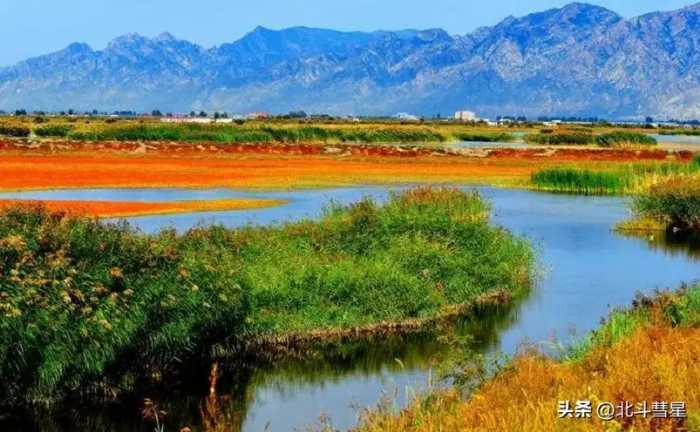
[(34, 27)]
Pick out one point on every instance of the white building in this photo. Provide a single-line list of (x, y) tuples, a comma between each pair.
[(466, 116), (203, 120), (406, 117)]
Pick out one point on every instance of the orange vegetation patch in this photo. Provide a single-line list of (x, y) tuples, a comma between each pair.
[(76, 165), (136, 208), (657, 363), (69, 171)]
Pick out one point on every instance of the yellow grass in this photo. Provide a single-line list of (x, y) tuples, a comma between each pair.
[(640, 224), (657, 363)]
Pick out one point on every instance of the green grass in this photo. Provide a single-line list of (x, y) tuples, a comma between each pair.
[(620, 138), (582, 181), (627, 179), (57, 130), (485, 137), (675, 202), (266, 134), (14, 131), (681, 308), (575, 138), (89, 308), (612, 139)]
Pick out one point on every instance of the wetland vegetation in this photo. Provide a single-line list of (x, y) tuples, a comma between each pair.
[(574, 137), (324, 131), (674, 203), (93, 309), (486, 137), (623, 179)]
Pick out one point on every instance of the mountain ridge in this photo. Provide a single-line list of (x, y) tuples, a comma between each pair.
[(579, 59)]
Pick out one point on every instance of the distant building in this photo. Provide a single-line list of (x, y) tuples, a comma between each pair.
[(407, 117), (553, 123), (258, 116), (466, 116), (202, 120)]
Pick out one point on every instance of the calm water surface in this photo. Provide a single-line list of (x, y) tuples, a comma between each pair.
[(587, 269)]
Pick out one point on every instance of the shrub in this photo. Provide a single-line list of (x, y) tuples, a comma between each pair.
[(15, 131), (674, 201), (53, 131)]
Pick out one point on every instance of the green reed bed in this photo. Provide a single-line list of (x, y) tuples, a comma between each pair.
[(14, 131), (673, 202), (93, 309), (265, 134), (53, 131), (582, 181), (485, 137), (612, 139), (624, 138), (576, 138), (632, 178)]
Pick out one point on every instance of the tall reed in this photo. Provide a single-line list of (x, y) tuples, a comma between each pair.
[(90, 308)]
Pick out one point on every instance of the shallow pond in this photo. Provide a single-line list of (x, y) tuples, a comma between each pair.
[(587, 269)]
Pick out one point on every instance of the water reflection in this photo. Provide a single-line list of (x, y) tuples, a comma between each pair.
[(399, 363), (672, 244)]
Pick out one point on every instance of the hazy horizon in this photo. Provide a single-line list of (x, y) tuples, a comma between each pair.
[(212, 22)]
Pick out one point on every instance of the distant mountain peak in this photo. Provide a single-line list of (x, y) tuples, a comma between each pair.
[(164, 37), (585, 7), (78, 47), (127, 39)]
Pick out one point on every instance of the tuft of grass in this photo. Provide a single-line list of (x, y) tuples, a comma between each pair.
[(582, 181), (624, 138), (14, 131), (584, 137), (573, 138), (54, 130), (88, 308), (485, 137), (674, 202)]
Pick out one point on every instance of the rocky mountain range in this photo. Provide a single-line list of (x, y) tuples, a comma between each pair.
[(578, 60)]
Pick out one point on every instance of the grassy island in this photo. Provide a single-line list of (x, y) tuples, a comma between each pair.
[(96, 309)]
